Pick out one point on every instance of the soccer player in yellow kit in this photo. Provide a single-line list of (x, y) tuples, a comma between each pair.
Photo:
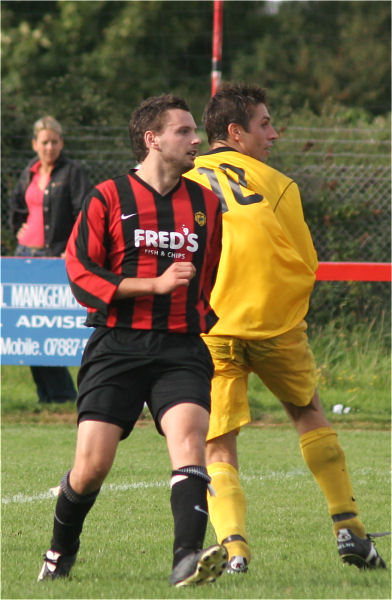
[(261, 296)]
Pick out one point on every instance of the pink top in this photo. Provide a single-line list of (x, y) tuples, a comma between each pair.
[(33, 234)]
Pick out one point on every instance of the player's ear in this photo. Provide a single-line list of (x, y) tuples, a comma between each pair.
[(150, 140), (234, 131)]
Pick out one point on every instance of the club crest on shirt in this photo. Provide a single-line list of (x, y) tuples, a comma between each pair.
[(200, 218)]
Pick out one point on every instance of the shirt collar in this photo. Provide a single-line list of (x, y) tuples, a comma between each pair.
[(222, 149), (35, 167)]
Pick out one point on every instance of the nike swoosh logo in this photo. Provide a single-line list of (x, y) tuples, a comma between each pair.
[(200, 509), (128, 216)]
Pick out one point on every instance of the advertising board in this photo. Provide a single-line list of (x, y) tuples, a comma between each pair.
[(41, 322)]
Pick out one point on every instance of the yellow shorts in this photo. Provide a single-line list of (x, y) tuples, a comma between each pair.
[(285, 364)]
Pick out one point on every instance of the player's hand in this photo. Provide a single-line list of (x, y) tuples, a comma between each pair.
[(179, 273), (21, 231)]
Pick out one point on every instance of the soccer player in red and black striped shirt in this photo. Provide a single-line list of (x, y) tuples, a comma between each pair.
[(142, 258)]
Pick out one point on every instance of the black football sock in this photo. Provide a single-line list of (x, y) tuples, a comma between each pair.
[(70, 513), (189, 508)]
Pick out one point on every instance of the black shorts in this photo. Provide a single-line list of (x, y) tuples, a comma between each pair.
[(124, 368)]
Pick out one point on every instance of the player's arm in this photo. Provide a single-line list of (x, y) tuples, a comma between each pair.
[(92, 283), (289, 213), (214, 253), (178, 274)]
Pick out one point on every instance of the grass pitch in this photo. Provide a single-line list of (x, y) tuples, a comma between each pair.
[(127, 538)]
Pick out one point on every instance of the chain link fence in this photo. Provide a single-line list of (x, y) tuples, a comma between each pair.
[(344, 177)]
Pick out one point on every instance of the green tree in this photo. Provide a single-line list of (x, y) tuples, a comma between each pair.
[(92, 62), (44, 50), (317, 52)]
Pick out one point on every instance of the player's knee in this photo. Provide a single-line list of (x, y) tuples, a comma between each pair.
[(77, 493), (89, 477), (308, 414), (223, 449)]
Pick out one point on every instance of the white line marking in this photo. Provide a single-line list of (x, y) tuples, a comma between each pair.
[(124, 487), (22, 499), (112, 487), (276, 475)]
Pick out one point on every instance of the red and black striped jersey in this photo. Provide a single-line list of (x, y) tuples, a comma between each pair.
[(127, 229)]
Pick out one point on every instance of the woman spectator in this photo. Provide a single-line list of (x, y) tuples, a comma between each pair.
[(43, 208)]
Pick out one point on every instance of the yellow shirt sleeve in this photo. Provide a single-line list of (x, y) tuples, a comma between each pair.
[(289, 213)]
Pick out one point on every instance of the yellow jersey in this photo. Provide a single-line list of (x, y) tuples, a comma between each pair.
[(268, 262)]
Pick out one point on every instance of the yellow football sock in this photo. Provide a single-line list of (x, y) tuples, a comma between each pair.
[(325, 458), (227, 508)]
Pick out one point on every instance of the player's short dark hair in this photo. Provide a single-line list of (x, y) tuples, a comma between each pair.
[(232, 103), (150, 115)]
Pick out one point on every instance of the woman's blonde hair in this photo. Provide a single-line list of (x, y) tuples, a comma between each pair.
[(47, 122)]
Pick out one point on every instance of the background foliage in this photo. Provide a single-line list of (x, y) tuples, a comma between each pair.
[(91, 62)]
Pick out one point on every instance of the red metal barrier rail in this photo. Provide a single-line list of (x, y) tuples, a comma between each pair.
[(352, 271)]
